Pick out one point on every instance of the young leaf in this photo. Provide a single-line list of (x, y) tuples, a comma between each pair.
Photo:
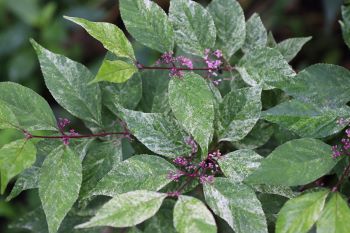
[(127, 209), (264, 67), (115, 71), (8, 119), (296, 162), (239, 164), (28, 179), (147, 172), (68, 81), (193, 25), (127, 94), (319, 83), (237, 204), (112, 38), (158, 132), (335, 216), (192, 216), (345, 24), (256, 35), (31, 110), (239, 112), (148, 24), (301, 213), (229, 20), (14, 158), (192, 103), (59, 184), (289, 48), (307, 119)]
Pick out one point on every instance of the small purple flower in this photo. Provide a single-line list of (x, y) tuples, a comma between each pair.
[(184, 61), (182, 161), (167, 58), (346, 143), (341, 121), (336, 152), (217, 53), (217, 82), (347, 131), (63, 122), (205, 179), (176, 72)]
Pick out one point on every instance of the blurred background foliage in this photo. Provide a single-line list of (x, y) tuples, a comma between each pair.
[(43, 21)]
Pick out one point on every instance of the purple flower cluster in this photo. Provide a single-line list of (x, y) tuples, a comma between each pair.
[(62, 123), (213, 61), (175, 176), (176, 62), (66, 137), (343, 149)]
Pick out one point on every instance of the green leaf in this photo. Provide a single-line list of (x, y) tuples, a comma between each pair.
[(345, 24), (148, 24), (264, 67), (256, 35), (275, 189), (192, 216), (100, 159), (307, 119), (193, 25), (147, 172), (127, 94), (322, 84), (31, 110), (239, 112), (59, 184), (126, 210), (8, 119), (301, 213), (237, 204), (15, 157), (335, 216), (240, 164), (112, 38), (68, 81), (229, 20), (28, 179), (257, 137), (193, 105), (296, 162), (163, 220), (115, 72), (158, 132), (289, 48)]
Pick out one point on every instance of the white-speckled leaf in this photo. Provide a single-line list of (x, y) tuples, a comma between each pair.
[(280, 190), (296, 162), (158, 132), (111, 37), (115, 71), (301, 213), (192, 103), (193, 25), (264, 67), (68, 81), (335, 216), (31, 110), (8, 119), (147, 172), (258, 136), (148, 24), (237, 204), (59, 184), (289, 48), (192, 216), (127, 209), (229, 21), (28, 179), (256, 35), (322, 84), (127, 94), (239, 112), (163, 221), (307, 119), (15, 157), (239, 164), (100, 159)]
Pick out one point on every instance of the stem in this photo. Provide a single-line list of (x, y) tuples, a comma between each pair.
[(142, 67), (342, 178)]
